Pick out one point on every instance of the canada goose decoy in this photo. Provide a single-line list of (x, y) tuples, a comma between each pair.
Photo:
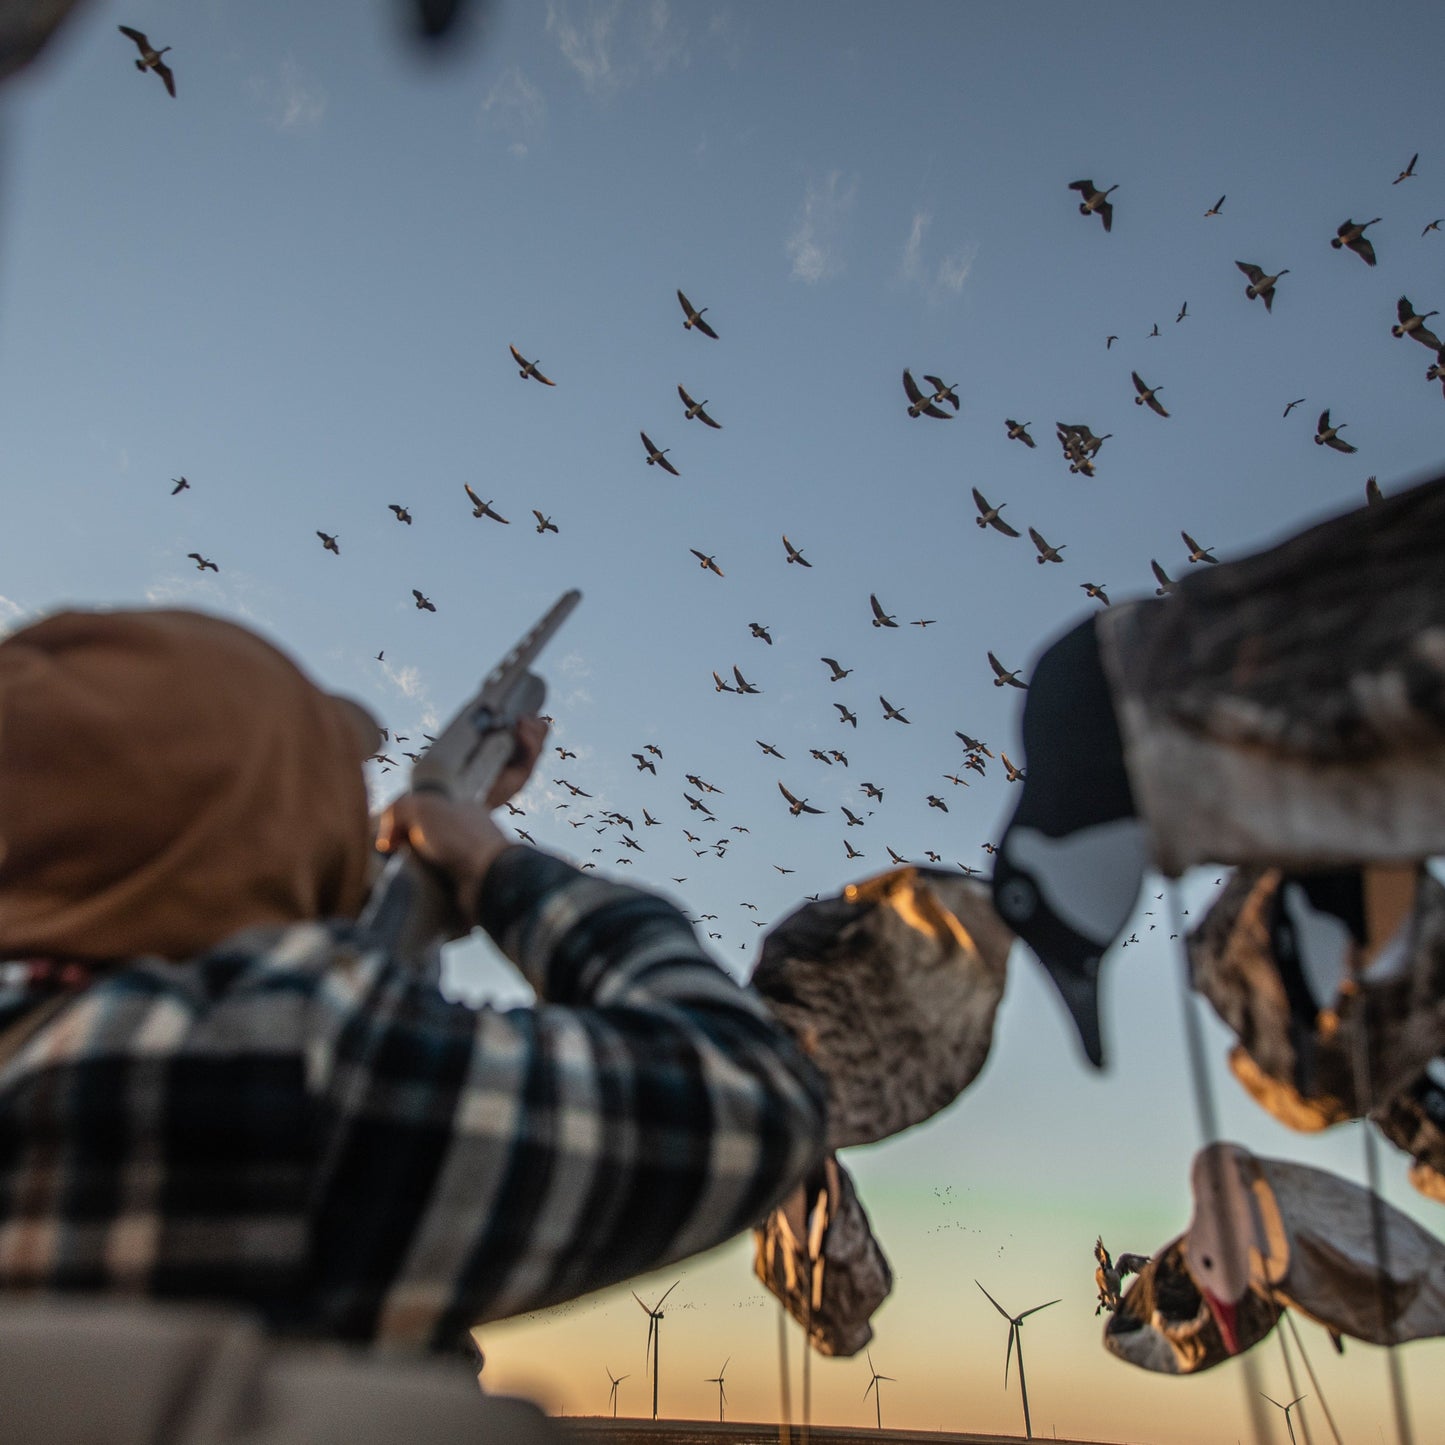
[(150, 57), (1329, 436), (1196, 552), (694, 317), (934, 801), (658, 457), (1299, 401), (854, 821), (794, 553), (181, 485), (423, 604), (1351, 234), (1216, 208), (544, 524), (851, 851), (988, 516), (1408, 172), (1146, 395), (1096, 591), (758, 630), (1045, 551), (797, 805), (401, 513), (1018, 431), (1260, 283), (850, 719), (1411, 324), (481, 508), (1373, 495), (921, 405), (203, 564), (743, 684), (1165, 581), (891, 713), (871, 790), (1183, 312), (839, 673), (330, 543), (705, 562), (880, 617), (695, 409), (1095, 200), (528, 368), (1003, 675)]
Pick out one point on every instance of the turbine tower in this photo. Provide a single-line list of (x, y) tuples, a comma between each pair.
[(876, 1392), (654, 1336), (1015, 1332), (717, 1380), (616, 1381)]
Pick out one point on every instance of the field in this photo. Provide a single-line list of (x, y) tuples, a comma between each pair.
[(594, 1430)]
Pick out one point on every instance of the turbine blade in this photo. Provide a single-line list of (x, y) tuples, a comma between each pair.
[(1036, 1309), (1013, 1329), (670, 1289), (996, 1304)]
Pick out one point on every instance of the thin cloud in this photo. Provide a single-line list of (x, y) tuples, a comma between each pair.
[(289, 100), (11, 614), (815, 243), (608, 45), (516, 108), (940, 281), (406, 680)]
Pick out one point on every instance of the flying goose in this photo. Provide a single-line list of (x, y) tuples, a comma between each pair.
[(544, 524), (848, 718), (1096, 591), (203, 564), (1216, 208), (921, 405), (481, 508), (529, 368), (695, 409), (181, 485), (1045, 551), (797, 805), (720, 686), (1352, 234), (794, 553), (743, 684), (1095, 200), (988, 516), (423, 604), (1411, 324), (1329, 436), (972, 744), (1373, 495), (1260, 284), (1183, 312), (694, 317), (1408, 172), (934, 801), (854, 821), (1146, 395), (1299, 401), (839, 673), (871, 790), (1018, 431), (852, 852), (1002, 674), (1166, 582), (1015, 774), (644, 762), (658, 457), (891, 713), (150, 57), (758, 630), (705, 562), (1196, 552), (330, 543), (402, 514), (880, 617)]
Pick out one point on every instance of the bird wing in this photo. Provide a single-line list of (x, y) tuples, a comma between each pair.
[(742, 681), (703, 417), (687, 401), (1190, 542), (1106, 210), (475, 499), (1426, 337), (686, 305), (999, 525), (517, 356), (704, 328), (1162, 576), (911, 386), (1084, 188), (981, 502), (167, 75), (1138, 383), (787, 794), (878, 611), (1363, 248), (1323, 424), (1002, 671), (701, 556), (1037, 540), (1252, 271), (667, 466), (647, 442), (138, 36), (1156, 406)]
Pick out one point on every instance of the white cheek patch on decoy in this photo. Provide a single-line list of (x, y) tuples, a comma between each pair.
[(1323, 944), (1090, 879)]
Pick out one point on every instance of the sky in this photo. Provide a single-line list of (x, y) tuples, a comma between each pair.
[(296, 283)]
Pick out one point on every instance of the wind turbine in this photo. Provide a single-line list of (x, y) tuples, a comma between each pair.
[(717, 1380), (1015, 1332), (877, 1393), (1289, 1425), (654, 1336), (612, 1399)]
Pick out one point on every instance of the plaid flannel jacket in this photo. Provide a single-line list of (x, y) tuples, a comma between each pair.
[(299, 1125)]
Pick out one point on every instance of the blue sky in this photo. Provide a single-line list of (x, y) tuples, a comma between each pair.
[(296, 283)]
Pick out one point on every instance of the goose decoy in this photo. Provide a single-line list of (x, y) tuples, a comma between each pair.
[(330, 543), (423, 604), (401, 513), (1018, 431), (1166, 583), (743, 684), (921, 405), (1095, 200), (851, 850), (871, 790), (1351, 234), (758, 630), (694, 317), (695, 409), (988, 516), (795, 554), (880, 617), (481, 508), (150, 57), (1003, 675), (1196, 552), (1216, 208), (797, 805), (1261, 284), (656, 457), (1045, 551), (1299, 401), (1015, 774), (1146, 395), (1183, 312), (1408, 172), (1329, 436), (705, 562), (1096, 591), (1413, 324), (850, 719), (528, 368), (181, 485), (891, 713), (544, 524), (839, 673), (203, 564)]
